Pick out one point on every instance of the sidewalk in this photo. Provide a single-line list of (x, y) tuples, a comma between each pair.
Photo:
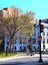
[(21, 56), (25, 56)]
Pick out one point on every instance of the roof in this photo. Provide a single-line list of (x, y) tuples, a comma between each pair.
[(45, 21)]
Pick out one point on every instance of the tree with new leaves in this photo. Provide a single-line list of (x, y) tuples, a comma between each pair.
[(11, 24), (15, 22), (28, 20)]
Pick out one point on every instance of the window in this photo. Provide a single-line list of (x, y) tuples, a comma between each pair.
[(5, 12), (47, 28), (47, 33), (47, 40), (33, 41), (34, 33), (20, 47), (43, 33), (43, 40)]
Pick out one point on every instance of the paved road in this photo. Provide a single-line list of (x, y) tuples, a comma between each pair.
[(21, 61), (29, 60)]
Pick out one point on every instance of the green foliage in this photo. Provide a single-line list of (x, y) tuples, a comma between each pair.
[(2, 55), (28, 22)]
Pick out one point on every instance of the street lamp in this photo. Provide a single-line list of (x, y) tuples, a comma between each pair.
[(41, 30)]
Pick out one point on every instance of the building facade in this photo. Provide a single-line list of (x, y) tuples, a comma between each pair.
[(44, 41), (44, 34)]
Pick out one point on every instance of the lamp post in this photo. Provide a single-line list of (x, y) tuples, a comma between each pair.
[(41, 30)]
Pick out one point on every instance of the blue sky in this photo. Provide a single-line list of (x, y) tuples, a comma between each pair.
[(40, 7)]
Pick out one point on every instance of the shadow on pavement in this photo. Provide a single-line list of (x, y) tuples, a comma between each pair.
[(19, 63), (25, 63)]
